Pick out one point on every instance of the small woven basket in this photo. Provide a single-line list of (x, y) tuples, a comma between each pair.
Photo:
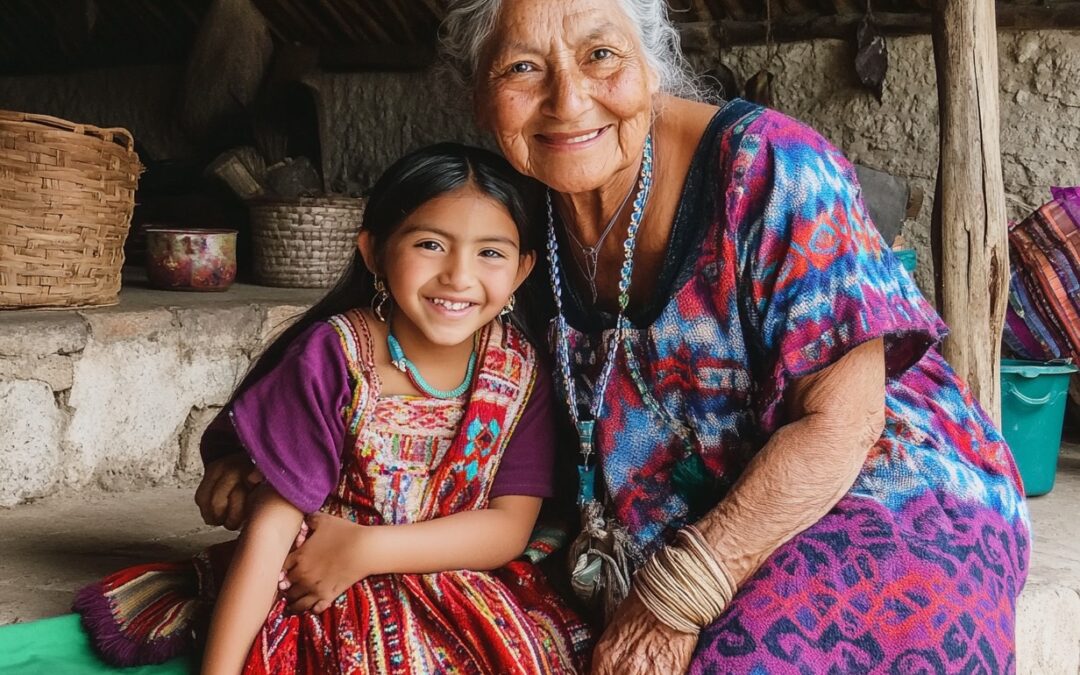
[(67, 192), (303, 243)]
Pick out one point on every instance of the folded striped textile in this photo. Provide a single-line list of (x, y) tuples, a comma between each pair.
[(1043, 318), (152, 613)]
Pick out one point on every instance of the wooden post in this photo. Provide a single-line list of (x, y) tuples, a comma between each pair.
[(969, 227)]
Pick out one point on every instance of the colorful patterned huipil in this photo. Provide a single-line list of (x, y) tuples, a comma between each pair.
[(412, 459), (774, 272)]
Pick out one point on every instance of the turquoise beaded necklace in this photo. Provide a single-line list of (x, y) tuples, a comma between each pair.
[(586, 425), (402, 363)]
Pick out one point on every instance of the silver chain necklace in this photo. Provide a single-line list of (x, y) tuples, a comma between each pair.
[(591, 254), (584, 414)]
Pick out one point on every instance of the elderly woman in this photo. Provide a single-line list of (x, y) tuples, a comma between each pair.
[(768, 440), (767, 434)]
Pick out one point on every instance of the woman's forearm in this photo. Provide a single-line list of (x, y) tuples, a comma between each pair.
[(806, 466), (250, 585)]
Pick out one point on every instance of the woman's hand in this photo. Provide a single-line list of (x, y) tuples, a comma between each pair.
[(222, 496), (326, 562), (637, 643)]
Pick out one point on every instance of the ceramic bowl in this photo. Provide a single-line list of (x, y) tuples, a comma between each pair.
[(181, 259)]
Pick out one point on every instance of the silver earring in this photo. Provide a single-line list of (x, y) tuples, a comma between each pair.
[(509, 307), (378, 303)]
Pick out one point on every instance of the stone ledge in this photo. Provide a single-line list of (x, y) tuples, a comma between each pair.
[(1048, 613), (57, 545), (1047, 617), (115, 395)]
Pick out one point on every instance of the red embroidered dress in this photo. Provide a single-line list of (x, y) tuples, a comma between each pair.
[(413, 459)]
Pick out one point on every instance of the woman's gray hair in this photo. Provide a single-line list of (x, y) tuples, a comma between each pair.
[(469, 24)]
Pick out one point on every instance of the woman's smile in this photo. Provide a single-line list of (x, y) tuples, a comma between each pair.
[(574, 140)]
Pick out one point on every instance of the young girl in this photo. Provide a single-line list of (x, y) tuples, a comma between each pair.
[(407, 409)]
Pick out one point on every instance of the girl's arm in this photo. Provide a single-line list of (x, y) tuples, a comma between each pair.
[(338, 553), (251, 582)]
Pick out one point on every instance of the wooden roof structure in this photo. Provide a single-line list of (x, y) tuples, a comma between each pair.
[(64, 35)]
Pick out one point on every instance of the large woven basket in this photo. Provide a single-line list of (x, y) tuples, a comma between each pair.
[(303, 243), (67, 191)]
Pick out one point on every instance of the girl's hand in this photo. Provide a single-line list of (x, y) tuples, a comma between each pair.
[(222, 495), (636, 643), (326, 564)]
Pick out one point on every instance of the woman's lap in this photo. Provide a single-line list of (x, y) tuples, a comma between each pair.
[(929, 589)]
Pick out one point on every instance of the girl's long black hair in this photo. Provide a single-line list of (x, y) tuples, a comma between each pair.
[(409, 183)]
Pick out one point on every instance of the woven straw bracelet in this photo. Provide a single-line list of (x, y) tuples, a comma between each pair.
[(684, 586)]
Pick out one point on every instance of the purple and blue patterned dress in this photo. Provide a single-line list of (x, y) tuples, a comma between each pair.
[(774, 272)]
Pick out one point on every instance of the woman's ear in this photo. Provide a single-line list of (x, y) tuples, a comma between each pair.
[(365, 243), (525, 265)]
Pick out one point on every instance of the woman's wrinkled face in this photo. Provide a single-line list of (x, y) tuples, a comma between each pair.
[(567, 91)]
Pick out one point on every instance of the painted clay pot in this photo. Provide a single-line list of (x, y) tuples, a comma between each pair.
[(190, 260)]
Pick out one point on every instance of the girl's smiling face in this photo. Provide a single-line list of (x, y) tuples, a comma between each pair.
[(567, 91), (450, 266)]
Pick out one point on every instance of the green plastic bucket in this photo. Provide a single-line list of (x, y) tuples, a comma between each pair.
[(907, 259), (1033, 397)]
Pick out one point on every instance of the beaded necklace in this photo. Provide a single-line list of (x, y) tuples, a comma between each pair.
[(586, 425), (402, 363)]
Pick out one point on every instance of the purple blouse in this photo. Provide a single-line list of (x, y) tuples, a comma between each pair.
[(292, 424)]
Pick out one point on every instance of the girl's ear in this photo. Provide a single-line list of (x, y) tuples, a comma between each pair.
[(525, 265), (365, 243)]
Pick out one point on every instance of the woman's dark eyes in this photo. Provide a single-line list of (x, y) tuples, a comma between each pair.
[(601, 54), (520, 67)]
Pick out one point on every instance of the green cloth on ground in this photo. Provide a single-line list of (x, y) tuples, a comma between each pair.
[(59, 646)]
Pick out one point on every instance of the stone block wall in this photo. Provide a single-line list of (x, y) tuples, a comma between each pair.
[(1040, 113), (117, 397), (368, 120), (142, 99)]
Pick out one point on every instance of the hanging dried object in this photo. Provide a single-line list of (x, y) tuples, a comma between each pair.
[(759, 88), (872, 57), (721, 79)]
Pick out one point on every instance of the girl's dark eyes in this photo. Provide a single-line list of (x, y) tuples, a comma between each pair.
[(429, 245)]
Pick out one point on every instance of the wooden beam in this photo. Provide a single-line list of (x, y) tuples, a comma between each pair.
[(841, 26), (377, 57), (348, 28), (969, 230), (1060, 15), (809, 27), (734, 9), (701, 11), (396, 13)]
